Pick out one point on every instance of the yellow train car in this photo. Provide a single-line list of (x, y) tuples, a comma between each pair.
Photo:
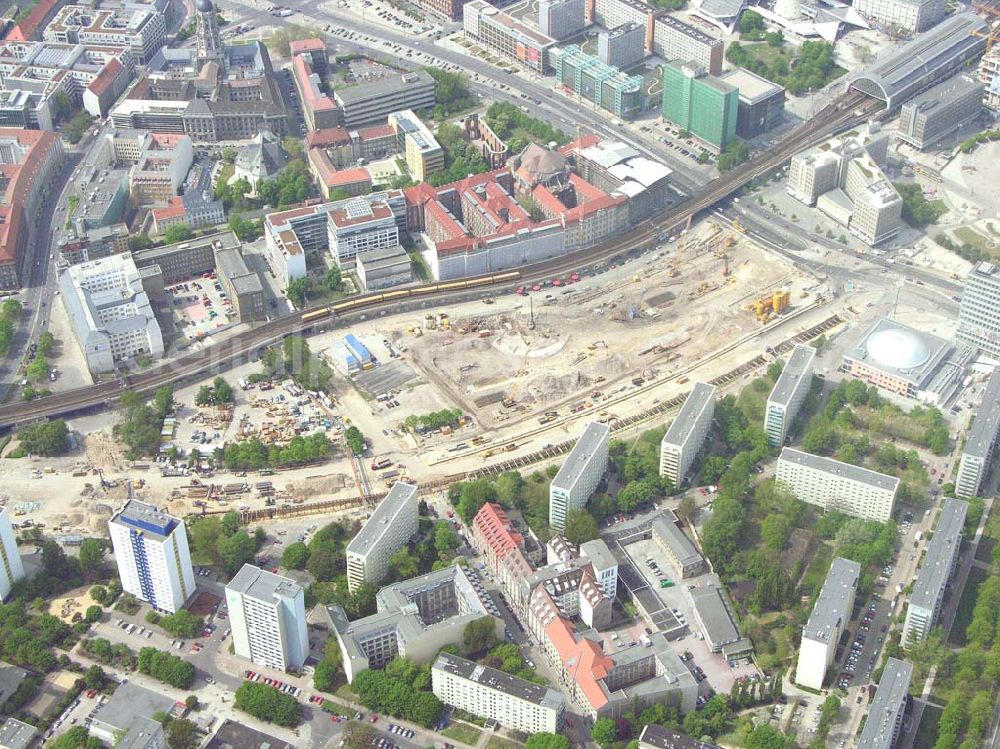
[(390, 295), (316, 314)]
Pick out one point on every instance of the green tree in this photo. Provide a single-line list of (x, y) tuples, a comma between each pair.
[(46, 344), (295, 556), (403, 564), (94, 677), (480, 635), (235, 551), (268, 704), (183, 734), (604, 732), (547, 741), (38, 369), (92, 556), (580, 527), (355, 440), (297, 289), (47, 438), (177, 233), (333, 280)]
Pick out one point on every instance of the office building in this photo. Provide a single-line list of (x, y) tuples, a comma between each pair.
[(232, 98), (268, 617), (902, 16), (419, 147), (616, 167), (935, 573), (130, 710), (318, 107), (885, 713), (110, 312), (940, 111), (686, 435), (561, 19), (12, 569), (387, 530), (414, 619), (830, 615), (762, 103), (579, 475), (989, 75), (603, 85), (611, 14), (373, 101), (788, 394), (700, 103), (680, 550), (675, 40), (17, 735), (974, 468), (361, 226), (658, 737), (291, 234), (622, 47), (812, 174), (877, 213), (151, 550), (833, 485), (714, 615), (449, 9), (506, 36), (30, 160), (234, 734), (908, 362), (384, 268), (160, 170), (979, 311), (494, 695), (143, 31)]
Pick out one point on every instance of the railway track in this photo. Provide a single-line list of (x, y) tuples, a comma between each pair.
[(850, 108)]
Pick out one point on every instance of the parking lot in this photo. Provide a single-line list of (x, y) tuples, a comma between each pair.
[(201, 306)]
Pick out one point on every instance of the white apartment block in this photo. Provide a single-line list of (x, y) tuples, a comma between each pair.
[(423, 153), (788, 393), (833, 485), (979, 311), (614, 13), (935, 572), (908, 16), (686, 435), (885, 713), (392, 524), (989, 73), (605, 566), (151, 549), (981, 443), (110, 312), (812, 174), (580, 474), (11, 569), (878, 209), (494, 695), (829, 616), (268, 617), (143, 31), (676, 40)]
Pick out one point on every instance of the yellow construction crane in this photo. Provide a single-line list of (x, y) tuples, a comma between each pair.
[(992, 13)]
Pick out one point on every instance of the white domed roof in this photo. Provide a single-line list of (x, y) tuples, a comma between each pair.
[(897, 349)]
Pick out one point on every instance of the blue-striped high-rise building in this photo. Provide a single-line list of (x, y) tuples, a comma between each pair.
[(151, 549)]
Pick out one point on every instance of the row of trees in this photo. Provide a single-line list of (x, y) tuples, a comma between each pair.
[(401, 689), (433, 420), (118, 655), (295, 359), (507, 120), (170, 669), (182, 623), (10, 313), (252, 455)]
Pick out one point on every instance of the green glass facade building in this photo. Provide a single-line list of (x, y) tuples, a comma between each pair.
[(604, 85), (700, 103)]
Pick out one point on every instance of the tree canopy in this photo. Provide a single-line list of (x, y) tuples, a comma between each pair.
[(268, 704), (47, 438)]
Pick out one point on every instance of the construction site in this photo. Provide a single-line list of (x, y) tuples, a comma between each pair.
[(519, 375)]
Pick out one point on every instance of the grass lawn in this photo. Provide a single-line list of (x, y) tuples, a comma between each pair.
[(499, 742), (462, 732), (815, 574), (926, 735), (991, 534), (768, 54), (965, 606), (225, 173), (970, 236), (346, 693)]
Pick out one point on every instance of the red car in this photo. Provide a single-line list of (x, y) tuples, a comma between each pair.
[(374, 718), (91, 693)]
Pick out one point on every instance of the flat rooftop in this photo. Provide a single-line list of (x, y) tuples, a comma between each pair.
[(233, 735), (889, 702), (536, 694), (580, 456), (385, 514), (829, 465), (143, 517), (710, 605), (985, 426), (129, 702), (682, 547), (16, 735), (381, 87), (833, 606), (265, 586), (796, 373), (752, 87), (659, 737), (936, 567), (701, 397)]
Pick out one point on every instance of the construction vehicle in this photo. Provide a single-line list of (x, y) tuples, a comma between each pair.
[(765, 307), (739, 227)]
